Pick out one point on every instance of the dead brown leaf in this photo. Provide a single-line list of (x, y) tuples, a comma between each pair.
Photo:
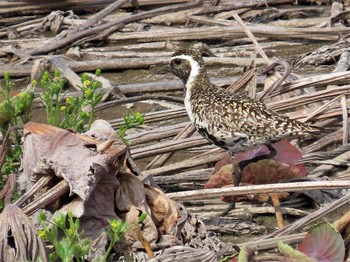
[(103, 185), (18, 239), (164, 210)]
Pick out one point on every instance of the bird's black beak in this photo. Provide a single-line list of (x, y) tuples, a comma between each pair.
[(165, 69)]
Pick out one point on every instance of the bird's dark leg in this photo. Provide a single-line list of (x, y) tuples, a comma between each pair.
[(237, 173), (244, 163)]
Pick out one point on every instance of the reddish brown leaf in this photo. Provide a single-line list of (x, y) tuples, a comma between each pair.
[(286, 153), (279, 168), (269, 171), (222, 177), (261, 172), (323, 243), (226, 160)]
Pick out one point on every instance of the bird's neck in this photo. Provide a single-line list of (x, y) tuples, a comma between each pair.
[(197, 76)]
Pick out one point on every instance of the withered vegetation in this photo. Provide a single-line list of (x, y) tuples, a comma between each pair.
[(293, 55)]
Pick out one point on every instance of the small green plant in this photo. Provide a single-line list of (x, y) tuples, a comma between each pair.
[(51, 97), (13, 112), (131, 120), (12, 108), (77, 112), (73, 245), (117, 230)]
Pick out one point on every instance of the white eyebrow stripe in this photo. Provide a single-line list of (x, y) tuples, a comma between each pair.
[(194, 68)]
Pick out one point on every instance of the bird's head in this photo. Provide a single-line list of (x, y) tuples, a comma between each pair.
[(187, 64)]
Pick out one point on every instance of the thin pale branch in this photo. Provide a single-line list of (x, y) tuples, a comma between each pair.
[(256, 189)]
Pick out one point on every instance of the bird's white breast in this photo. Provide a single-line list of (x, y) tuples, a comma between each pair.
[(195, 70), (188, 106)]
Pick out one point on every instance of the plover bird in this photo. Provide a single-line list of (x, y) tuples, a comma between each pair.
[(229, 120)]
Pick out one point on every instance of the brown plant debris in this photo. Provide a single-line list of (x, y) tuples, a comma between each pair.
[(131, 41), (18, 239), (103, 186)]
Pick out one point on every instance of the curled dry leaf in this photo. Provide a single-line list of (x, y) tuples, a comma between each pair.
[(96, 172), (149, 230), (69, 156), (131, 191), (89, 172), (103, 185), (164, 210), (18, 239)]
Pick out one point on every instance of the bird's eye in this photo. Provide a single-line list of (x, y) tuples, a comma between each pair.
[(177, 61)]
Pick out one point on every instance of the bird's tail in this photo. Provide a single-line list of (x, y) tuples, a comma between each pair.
[(319, 130)]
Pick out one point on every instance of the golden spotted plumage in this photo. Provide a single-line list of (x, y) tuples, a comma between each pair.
[(232, 121)]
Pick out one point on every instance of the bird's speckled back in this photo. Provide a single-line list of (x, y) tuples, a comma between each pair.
[(232, 121)]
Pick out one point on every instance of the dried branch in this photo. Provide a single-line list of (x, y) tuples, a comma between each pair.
[(111, 27), (256, 189), (310, 218), (345, 119)]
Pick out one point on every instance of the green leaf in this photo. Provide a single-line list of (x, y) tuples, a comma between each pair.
[(7, 76), (71, 249), (122, 128), (42, 217), (83, 248), (71, 221), (7, 108), (60, 251), (244, 255), (64, 244), (142, 217), (77, 224), (60, 220), (84, 77), (123, 227), (52, 257), (98, 72), (288, 251), (54, 233), (57, 73)]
